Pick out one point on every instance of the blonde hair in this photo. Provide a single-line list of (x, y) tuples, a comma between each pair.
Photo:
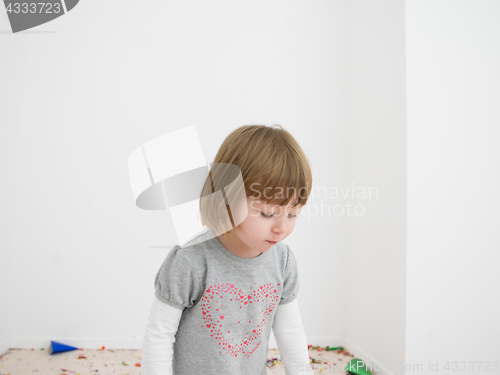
[(269, 158)]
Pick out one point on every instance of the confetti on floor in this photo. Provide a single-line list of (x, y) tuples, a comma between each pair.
[(127, 362)]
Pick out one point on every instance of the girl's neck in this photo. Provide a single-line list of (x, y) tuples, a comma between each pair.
[(235, 246)]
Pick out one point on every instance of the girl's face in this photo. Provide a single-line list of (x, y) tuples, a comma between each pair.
[(264, 225)]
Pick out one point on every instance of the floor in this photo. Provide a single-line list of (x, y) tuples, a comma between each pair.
[(128, 361)]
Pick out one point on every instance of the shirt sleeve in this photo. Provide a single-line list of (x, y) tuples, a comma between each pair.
[(291, 283), (158, 345), (291, 339), (177, 283)]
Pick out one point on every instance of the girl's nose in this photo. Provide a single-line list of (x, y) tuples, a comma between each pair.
[(279, 227)]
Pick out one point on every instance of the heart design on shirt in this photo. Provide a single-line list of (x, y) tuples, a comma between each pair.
[(228, 294)]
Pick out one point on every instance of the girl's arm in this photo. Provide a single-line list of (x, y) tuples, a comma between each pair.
[(291, 339), (158, 346)]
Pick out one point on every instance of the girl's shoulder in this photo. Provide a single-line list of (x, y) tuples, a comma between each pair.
[(195, 249), (201, 238)]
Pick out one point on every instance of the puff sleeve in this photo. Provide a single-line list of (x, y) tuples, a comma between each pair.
[(177, 283), (291, 282)]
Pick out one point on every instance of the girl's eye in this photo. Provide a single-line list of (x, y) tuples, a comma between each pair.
[(270, 215)]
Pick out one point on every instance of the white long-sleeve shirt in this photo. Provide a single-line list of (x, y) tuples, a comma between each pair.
[(163, 322)]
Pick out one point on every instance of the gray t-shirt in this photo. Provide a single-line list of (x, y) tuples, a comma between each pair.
[(228, 304)]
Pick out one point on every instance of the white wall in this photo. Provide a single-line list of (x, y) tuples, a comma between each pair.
[(375, 88), (8, 220), (82, 92), (453, 92)]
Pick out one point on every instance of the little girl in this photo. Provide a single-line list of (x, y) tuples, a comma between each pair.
[(219, 294)]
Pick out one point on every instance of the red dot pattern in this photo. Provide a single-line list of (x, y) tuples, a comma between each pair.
[(220, 293)]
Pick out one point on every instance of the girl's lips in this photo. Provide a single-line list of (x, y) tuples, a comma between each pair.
[(271, 241)]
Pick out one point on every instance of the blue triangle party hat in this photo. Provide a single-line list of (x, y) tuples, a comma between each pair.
[(56, 347)]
